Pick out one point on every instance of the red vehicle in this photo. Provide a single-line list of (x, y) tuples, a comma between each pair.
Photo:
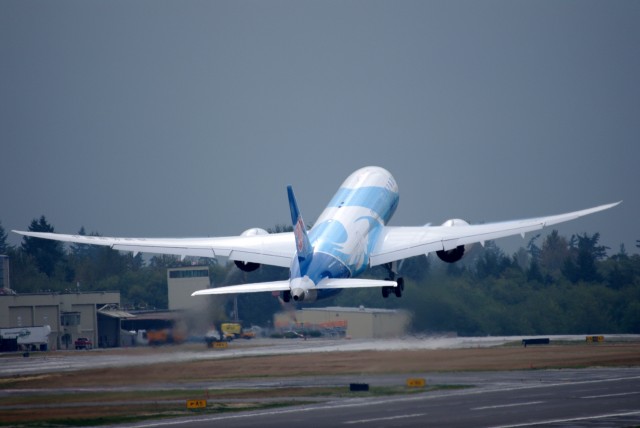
[(83, 343)]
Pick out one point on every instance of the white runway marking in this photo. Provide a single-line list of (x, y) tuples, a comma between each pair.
[(390, 418), (499, 406), (561, 421), (613, 395)]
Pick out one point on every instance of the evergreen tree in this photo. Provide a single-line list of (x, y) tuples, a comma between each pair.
[(533, 249), (4, 246), (46, 253), (80, 250), (554, 253), (582, 266), (534, 274), (492, 261)]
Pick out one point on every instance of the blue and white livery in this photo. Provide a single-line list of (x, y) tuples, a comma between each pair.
[(350, 235)]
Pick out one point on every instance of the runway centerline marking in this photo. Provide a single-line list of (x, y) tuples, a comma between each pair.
[(498, 406), (613, 395), (390, 418), (559, 421)]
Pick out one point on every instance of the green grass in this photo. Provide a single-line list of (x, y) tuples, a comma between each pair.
[(104, 408)]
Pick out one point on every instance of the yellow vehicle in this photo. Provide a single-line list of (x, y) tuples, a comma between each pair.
[(165, 336), (233, 330)]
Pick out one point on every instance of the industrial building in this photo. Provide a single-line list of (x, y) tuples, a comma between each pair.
[(182, 282), (95, 315), (356, 323), (70, 315)]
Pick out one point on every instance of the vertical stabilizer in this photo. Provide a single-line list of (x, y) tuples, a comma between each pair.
[(303, 246)]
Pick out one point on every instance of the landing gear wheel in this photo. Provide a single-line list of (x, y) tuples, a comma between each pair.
[(400, 288), (286, 296), (385, 292), (398, 291)]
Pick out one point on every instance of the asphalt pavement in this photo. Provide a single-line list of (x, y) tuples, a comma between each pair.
[(599, 397)]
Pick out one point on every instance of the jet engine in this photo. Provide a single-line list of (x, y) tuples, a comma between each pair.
[(455, 254), (249, 266), (246, 266), (299, 295)]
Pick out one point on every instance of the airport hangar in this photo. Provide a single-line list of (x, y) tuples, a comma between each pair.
[(94, 315), (354, 323), (98, 317)]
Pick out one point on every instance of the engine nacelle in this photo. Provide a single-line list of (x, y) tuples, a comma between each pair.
[(254, 231), (246, 266), (300, 294), (455, 254), (451, 256), (249, 266)]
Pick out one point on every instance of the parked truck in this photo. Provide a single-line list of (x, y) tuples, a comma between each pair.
[(83, 343), (165, 336), (28, 338), (234, 330)]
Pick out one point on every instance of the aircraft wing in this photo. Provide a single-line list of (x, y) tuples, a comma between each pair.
[(396, 243), (276, 249)]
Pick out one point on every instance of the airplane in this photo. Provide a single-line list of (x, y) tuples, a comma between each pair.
[(350, 235)]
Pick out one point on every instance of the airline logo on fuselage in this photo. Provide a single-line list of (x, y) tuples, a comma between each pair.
[(299, 232)]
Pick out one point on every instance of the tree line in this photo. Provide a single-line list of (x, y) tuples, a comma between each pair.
[(553, 285)]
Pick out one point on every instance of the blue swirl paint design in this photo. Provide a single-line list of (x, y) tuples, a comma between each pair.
[(375, 198)]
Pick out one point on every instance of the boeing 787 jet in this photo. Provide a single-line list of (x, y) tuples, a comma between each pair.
[(350, 235)]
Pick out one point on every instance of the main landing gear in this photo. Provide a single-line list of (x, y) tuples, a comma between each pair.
[(392, 268)]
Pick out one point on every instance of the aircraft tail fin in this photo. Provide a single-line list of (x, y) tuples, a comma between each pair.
[(303, 245)]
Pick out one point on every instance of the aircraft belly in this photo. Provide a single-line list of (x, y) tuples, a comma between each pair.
[(325, 265)]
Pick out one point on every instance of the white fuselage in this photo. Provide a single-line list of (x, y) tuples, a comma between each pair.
[(346, 232)]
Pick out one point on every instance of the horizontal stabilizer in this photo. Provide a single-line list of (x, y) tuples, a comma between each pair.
[(325, 284), (335, 283), (246, 288)]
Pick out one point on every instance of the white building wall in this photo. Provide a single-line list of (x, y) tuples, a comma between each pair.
[(181, 286)]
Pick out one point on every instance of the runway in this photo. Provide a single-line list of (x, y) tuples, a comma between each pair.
[(551, 397), (558, 398)]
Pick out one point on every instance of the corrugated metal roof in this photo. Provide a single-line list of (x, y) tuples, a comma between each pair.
[(159, 315), (117, 314)]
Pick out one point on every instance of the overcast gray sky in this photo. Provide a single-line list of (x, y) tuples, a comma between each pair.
[(189, 118)]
